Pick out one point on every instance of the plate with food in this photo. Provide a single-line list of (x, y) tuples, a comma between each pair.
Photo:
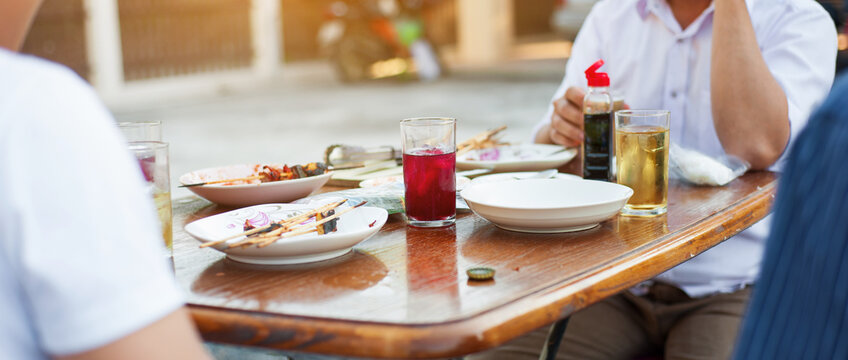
[(518, 157), (251, 184), (547, 205), (461, 181), (279, 234)]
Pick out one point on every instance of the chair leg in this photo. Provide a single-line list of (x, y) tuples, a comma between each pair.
[(551, 346)]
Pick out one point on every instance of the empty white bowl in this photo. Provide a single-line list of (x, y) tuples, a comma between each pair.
[(547, 205)]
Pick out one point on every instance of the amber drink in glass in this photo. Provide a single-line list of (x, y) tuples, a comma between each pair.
[(152, 157), (641, 158)]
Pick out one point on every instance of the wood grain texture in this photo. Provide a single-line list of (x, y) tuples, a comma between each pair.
[(404, 292)]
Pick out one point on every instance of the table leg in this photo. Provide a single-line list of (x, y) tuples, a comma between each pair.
[(551, 346)]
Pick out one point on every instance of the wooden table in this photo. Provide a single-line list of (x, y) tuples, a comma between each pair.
[(404, 292)]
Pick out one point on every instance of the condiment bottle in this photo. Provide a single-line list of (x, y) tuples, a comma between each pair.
[(597, 125)]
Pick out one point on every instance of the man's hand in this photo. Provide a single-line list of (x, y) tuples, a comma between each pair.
[(566, 125)]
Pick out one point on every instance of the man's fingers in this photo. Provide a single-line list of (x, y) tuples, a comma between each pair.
[(575, 96), (564, 132), (567, 119), (558, 139), (571, 114), (568, 111)]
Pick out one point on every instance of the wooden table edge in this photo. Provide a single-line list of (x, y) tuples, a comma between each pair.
[(484, 330)]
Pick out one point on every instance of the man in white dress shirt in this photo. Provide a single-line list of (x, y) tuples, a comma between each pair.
[(739, 77), (81, 270)]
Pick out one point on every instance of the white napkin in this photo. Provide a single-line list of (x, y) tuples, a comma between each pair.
[(701, 169)]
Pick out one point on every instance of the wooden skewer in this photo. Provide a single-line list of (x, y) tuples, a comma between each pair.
[(260, 176), (285, 223), (276, 233), (247, 178), (309, 227), (475, 141), (346, 167), (285, 226), (483, 136)]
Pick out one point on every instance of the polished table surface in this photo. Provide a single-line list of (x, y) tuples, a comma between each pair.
[(404, 294)]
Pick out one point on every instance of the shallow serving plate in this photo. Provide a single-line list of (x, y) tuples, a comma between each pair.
[(250, 194), (547, 205), (520, 175), (353, 228), (520, 157)]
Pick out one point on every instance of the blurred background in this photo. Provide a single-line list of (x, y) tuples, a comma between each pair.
[(241, 81), (247, 81), (268, 81)]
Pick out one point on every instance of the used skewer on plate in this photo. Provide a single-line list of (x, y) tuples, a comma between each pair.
[(273, 230), (292, 220), (308, 228), (270, 174), (483, 140), (267, 235)]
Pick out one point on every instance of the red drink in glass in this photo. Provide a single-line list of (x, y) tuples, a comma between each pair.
[(429, 176), (429, 160)]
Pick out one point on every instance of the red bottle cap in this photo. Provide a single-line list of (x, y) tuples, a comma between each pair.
[(597, 79)]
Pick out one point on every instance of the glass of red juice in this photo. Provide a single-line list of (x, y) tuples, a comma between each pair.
[(429, 170)]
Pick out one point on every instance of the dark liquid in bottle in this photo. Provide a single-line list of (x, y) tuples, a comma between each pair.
[(597, 151)]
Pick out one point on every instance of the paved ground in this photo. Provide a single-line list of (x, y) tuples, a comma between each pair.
[(294, 117)]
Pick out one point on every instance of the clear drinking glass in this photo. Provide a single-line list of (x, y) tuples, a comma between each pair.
[(152, 157), (141, 130), (641, 158), (429, 170)]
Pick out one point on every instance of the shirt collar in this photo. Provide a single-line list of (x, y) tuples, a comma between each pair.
[(661, 10), (643, 7)]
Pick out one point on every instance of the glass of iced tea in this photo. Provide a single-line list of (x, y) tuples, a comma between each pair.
[(429, 170), (641, 158), (152, 157)]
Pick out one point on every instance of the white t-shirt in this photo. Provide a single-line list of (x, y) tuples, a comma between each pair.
[(81, 260), (654, 64)]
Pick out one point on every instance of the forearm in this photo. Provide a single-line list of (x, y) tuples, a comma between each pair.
[(750, 112), (172, 337)]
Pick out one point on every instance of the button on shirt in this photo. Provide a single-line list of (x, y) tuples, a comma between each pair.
[(654, 64)]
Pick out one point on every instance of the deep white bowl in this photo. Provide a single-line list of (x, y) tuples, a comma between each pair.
[(547, 205), (250, 194)]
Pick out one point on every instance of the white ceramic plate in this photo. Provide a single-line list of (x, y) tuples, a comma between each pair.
[(353, 228), (521, 157), (461, 181), (516, 176), (250, 194), (547, 205)]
